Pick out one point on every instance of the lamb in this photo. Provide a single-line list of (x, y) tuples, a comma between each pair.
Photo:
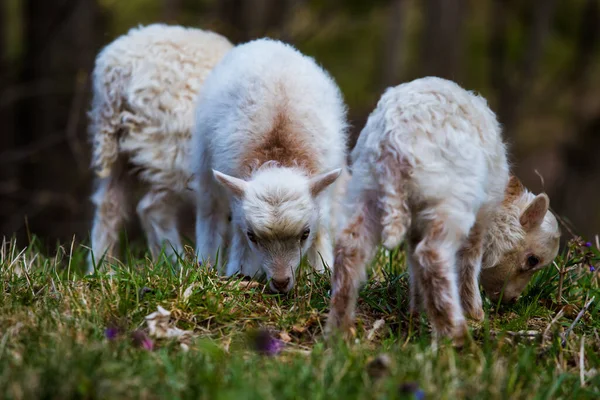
[(271, 137), (430, 165), (145, 85)]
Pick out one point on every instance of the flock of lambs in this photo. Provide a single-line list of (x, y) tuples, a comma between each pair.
[(255, 136)]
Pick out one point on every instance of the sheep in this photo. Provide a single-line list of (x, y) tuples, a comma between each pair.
[(271, 137), (145, 84), (430, 165)]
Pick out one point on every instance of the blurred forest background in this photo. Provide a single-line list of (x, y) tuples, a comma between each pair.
[(537, 62)]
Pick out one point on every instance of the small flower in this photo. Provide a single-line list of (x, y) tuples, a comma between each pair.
[(140, 339), (266, 344), (588, 244), (111, 333), (592, 269), (412, 388)]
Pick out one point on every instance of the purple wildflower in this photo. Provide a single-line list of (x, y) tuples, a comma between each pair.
[(140, 339), (111, 333), (592, 269), (412, 388), (266, 344), (588, 244)]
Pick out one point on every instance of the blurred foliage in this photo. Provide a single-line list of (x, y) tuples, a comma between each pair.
[(537, 62)]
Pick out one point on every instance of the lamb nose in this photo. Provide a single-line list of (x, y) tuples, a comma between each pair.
[(281, 284)]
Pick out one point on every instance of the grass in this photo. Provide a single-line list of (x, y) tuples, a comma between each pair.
[(54, 344)]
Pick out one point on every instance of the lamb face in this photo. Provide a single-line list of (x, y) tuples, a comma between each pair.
[(535, 241), (276, 215)]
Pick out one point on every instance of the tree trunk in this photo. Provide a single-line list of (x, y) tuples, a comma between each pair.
[(579, 189), (442, 49), (512, 87), (32, 116), (6, 109), (393, 50), (172, 10)]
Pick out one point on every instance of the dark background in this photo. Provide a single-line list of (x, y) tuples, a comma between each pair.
[(537, 62)]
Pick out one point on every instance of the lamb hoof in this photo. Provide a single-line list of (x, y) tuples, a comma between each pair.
[(476, 314)]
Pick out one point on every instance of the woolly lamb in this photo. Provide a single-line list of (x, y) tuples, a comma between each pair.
[(430, 164), (145, 84), (270, 135)]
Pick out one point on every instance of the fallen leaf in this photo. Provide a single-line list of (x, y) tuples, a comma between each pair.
[(376, 326), (298, 329), (285, 337), (159, 326), (187, 293), (249, 284)]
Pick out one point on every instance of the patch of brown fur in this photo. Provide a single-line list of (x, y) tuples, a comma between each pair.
[(393, 199), (436, 283), (283, 144), (346, 274), (469, 257), (514, 190), (355, 246)]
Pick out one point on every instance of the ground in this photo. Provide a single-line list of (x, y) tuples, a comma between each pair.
[(67, 335)]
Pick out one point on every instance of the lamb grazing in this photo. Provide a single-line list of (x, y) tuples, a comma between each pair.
[(431, 165), (522, 238), (145, 85), (270, 136)]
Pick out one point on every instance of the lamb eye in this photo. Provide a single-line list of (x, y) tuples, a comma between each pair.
[(532, 261), (251, 236), (305, 234)]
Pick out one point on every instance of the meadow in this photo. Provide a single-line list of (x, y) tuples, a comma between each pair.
[(64, 334)]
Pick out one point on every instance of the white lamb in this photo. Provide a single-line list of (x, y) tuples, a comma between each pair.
[(145, 85), (270, 136), (431, 165)]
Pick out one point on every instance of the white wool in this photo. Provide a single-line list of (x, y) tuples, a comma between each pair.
[(258, 88), (145, 84), (431, 165), (429, 162), (450, 139)]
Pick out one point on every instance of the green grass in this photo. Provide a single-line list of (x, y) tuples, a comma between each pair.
[(53, 343)]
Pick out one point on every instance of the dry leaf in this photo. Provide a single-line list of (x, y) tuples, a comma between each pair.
[(159, 326), (226, 344), (285, 337), (298, 328), (244, 284), (376, 326), (187, 293), (248, 284)]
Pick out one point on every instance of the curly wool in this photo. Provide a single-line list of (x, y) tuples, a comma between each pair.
[(145, 85), (429, 163)]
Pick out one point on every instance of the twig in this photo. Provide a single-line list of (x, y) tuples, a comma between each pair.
[(563, 223), (541, 178), (581, 362), (556, 318), (583, 310), (561, 278)]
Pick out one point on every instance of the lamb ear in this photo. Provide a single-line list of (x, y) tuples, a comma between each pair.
[(535, 212), (318, 183), (514, 188), (236, 186)]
